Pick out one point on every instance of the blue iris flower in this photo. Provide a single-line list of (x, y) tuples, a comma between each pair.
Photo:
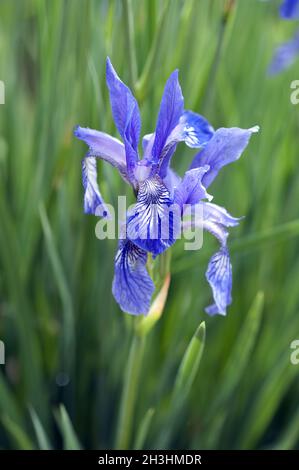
[(289, 10), (286, 54), (158, 187)]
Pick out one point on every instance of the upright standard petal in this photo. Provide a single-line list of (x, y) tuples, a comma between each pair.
[(219, 276), (104, 146), (93, 201), (225, 146), (171, 109), (126, 115), (132, 286), (289, 9), (285, 55), (154, 221)]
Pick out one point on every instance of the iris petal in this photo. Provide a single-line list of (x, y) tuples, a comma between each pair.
[(284, 55), (218, 214), (126, 115), (196, 130), (191, 190), (193, 129), (93, 201), (289, 10), (215, 219), (104, 146), (171, 109), (132, 286), (154, 221), (225, 146), (219, 276)]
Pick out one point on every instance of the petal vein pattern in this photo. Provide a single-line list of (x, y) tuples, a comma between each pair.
[(154, 221)]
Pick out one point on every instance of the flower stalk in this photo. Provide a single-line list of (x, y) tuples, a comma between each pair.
[(142, 327), (129, 394)]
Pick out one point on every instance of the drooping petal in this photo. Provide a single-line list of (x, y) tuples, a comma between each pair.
[(104, 146), (171, 109), (191, 190), (93, 201), (154, 221), (285, 55), (219, 276), (216, 219), (132, 286), (225, 146), (219, 215), (289, 9), (193, 129), (126, 115)]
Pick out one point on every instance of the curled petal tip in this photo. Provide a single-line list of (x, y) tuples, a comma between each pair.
[(254, 129)]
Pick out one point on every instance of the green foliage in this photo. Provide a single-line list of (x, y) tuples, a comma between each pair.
[(67, 343)]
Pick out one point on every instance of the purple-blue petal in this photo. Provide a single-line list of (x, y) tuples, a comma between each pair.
[(197, 131), (285, 55), (104, 146), (191, 190), (224, 147), (125, 113), (219, 276), (289, 9), (154, 221), (193, 129), (171, 109), (93, 201), (147, 144), (219, 215), (172, 180), (132, 286)]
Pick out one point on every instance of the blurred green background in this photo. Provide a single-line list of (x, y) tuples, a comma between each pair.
[(66, 340)]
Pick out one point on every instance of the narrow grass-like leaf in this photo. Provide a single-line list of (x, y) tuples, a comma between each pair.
[(62, 285), (70, 439), (143, 429), (190, 363), (19, 435), (41, 435)]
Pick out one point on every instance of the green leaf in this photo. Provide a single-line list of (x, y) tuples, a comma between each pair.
[(19, 436), (70, 439), (190, 363), (41, 435), (144, 428)]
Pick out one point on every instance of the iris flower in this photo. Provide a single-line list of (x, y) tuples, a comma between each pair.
[(286, 54), (158, 188), (289, 9)]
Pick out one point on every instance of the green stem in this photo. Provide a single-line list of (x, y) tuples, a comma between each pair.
[(129, 27), (129, 394)]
